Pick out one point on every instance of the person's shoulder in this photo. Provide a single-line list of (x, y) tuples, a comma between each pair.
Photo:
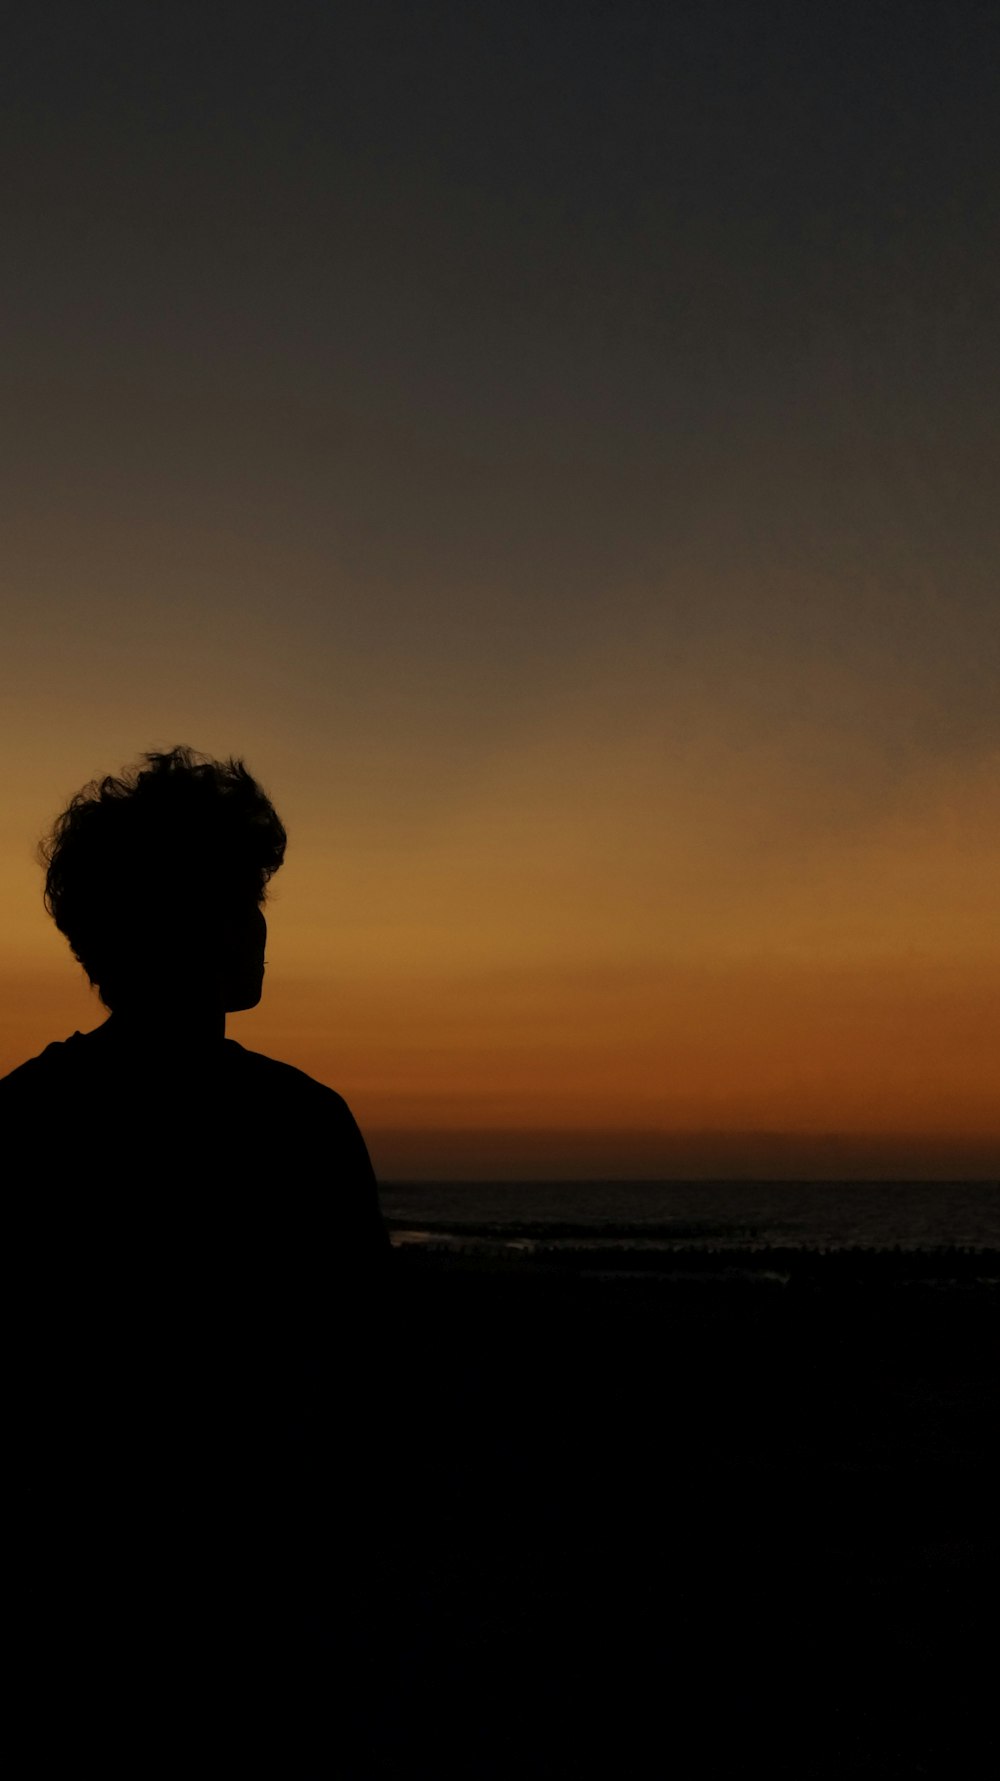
[(277, 1077), (35, 1072), (296, 1102)]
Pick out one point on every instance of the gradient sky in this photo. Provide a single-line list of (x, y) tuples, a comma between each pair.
[(556, 446)]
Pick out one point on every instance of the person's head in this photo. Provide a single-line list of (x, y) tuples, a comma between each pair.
[(157, 879)]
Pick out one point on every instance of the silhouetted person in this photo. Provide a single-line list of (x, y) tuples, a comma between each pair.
[(197, 1250), (157, 879)]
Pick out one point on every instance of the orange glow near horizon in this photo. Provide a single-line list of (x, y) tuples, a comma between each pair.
[(554, 983)]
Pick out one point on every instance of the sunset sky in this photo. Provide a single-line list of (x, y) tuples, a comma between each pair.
[(556, 446)]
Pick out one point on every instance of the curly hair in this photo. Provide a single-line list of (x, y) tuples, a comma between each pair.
[(148, 863)]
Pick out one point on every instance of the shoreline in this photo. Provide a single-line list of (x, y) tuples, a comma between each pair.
[(491, 1249)]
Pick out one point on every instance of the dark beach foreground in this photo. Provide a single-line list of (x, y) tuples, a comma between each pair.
[(688, 1524), (502, 1518)]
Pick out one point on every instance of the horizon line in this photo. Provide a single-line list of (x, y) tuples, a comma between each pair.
[(550, 1154)]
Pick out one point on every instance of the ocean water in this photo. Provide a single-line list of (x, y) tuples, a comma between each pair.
[(807, 1214)]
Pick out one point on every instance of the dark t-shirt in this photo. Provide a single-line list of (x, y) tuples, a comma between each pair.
[(216, 1209), (205, 1215), (195, 1263), (218, 1115), (218, 1138)]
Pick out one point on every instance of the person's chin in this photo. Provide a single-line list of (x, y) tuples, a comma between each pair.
[(244, 999)]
